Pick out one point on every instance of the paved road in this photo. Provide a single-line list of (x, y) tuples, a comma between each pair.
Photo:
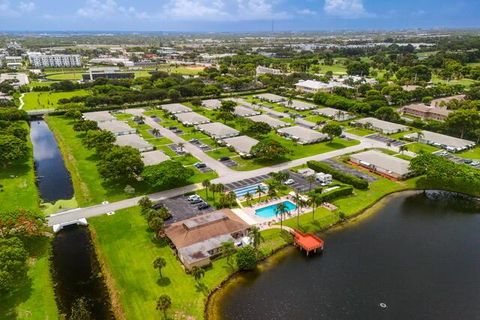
[(226, 175)]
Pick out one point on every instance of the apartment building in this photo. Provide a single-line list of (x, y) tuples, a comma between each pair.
[(39, 60)]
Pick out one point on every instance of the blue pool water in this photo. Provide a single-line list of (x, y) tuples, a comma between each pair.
[(269, 212)]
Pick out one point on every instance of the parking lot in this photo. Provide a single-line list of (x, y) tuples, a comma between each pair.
[(204, 147), (456, 159), (182, 209), (246, 182), (175, 130), (386, 140), (301, 184), (176, 148), (229, 163), (350, 170)]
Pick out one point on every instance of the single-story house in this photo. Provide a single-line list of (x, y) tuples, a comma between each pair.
[(175, 108), (383, 164), (242, 111), (98, 116), (242, 145), (191, 118), (242, 102), (212, 104), (218, 130), (272, 122), (199, 239), (333, 113), (151, 158), (134, 141), (270, 97), (118, 128), (384, 127), (306, 123), (441, 140), (299, 105), (302, 135)]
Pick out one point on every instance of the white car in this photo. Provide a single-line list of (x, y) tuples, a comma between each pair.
[(289, 182), (193, 197)]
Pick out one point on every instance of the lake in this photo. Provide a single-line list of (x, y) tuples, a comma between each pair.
[(416, 257), (53, 179)]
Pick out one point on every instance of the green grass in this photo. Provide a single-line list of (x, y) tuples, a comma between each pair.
[(18, 189), (470, 154), (127, 249), (48, 100), (336, 68), (360, 132), (58, 76), (35, 298), (465, 81), (420, 147)]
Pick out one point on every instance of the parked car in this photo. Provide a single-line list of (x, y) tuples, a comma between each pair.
[(203, 206), (200, 165), (289, 182), (194, 141), (193, 197), (224, 158)]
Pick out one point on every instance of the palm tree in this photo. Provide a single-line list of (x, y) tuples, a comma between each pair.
[(256, 236), (339, 115), (312, 200), (272, 193), (220, 188), (227, 249), (310, 180), (248, 197), (297, 198), (159, 263), (281, 209), (213, 188), (206, 184), (164, 303), (420, 136), (198, 273), (156, 224), (259, 191), (402, 148), (156, 132), (181, 145), (232, 198)]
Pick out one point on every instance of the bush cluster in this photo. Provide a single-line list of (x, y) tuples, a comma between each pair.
[(357, 182)]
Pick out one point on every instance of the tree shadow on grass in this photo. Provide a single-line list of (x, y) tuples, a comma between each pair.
[(201, 288), (164, 281)]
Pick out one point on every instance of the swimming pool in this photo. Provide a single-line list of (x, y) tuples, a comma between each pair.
[(269, 212)]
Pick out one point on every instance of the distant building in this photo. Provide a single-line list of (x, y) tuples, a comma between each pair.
[(313, 86), (441, 141), (107, 73), (426, 112), (16, 79), (384, 127), (265, 70), (39, 60), (383, 164)]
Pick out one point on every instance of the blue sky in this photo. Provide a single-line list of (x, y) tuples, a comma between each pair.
[(236, 15)]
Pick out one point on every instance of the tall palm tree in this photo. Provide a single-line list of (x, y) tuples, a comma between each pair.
[(181, 145), (163, 304), (206, 184), (248, 197), (227, 249), (272, 193), (156, 132), (220, 188), (310, 180), (198, 273), (312, 200), (420, 136), (213, 188), (259, 191), (280, 210), (402, 148), (256, 236), (159, 263), (297, 198)]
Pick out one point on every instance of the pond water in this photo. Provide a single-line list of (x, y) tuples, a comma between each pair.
[(53, 179), (417, 257), (77, 274)]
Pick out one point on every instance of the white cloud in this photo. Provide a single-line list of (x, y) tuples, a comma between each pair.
[(345, 8), (9, 10), (26, 6), (95, 9), (306, 12), (221, 10)]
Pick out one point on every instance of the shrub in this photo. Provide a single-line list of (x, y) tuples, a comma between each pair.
[(246, 258), (357, 182)]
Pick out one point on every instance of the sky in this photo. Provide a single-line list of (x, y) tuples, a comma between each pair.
[(236, 15)]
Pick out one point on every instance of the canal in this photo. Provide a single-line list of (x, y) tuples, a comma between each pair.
[(53, 179), (75, 269), (416, 257)]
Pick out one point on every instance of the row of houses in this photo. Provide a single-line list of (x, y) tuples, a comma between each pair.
[(448, 143)]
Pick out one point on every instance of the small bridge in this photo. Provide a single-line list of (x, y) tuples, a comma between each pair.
[(39, 112), (79, 222)]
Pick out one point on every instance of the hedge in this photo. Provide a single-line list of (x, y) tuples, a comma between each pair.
[(336, 193), (357, 182)]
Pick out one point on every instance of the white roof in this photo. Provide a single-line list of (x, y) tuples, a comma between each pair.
[(384, 125), (191, 118), (272, 122), (175, 108), (241, 144), (134, 141), (154, 157), (299, 105), (115, 126), (318, 85), (303, 134), (218, 130), (330, 112), (270, 97), (442, 139), (98, 116), (384, 161), (212, 104), (242, 111)]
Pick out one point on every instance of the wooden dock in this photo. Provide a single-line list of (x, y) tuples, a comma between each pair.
[(307, 242)]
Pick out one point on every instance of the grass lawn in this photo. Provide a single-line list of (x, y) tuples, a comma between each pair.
[(465, 81), (127, 249), (17, 184), (186, 70), (336, 68), (420, 147), (360, 132), (68, 75), (48, 100), (470, 154)]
